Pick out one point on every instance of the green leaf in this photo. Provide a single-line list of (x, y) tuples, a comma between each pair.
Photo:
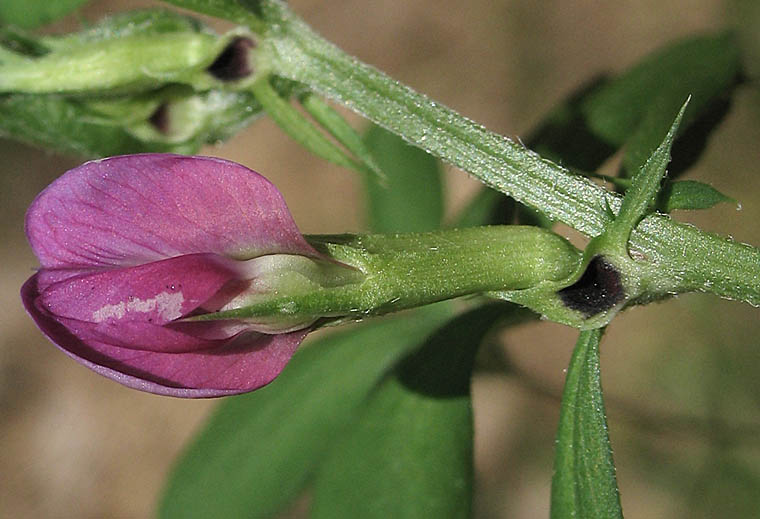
[(29, 14), (565, 137), (689, 194), (409, 454), (636, 108), (239, 11), (410, 198), (258, 450), (699, 66), (601, 116), (584, 483), (487, 207)]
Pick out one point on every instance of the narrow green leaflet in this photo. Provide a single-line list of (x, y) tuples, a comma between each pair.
[(584, 483), (339, 128), (636, 108), (258, 450), (409, 455), (410, 197), (299, 127), (29, 14), (689, 194)]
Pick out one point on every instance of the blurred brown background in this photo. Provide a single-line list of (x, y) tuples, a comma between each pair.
[(681, 377)]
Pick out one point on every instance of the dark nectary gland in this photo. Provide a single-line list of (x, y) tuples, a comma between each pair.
[(159, 119), (234, 61), (598, 289)]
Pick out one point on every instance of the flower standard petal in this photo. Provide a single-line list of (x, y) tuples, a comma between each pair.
[(130, 210)]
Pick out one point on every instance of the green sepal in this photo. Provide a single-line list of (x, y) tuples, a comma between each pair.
[(402, 271), (296, 290), (339, 128), (299, 127), (584, 482)]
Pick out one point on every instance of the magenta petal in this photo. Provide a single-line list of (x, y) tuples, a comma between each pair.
[(240, 364), (142, 336), (157, 292), (135, 209), (245, 364)]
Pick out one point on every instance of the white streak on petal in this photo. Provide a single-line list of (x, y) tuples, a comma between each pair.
[(168, 305)]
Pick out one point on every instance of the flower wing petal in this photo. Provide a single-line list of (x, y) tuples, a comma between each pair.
[(130, 210), (238, 365), (157, 292)]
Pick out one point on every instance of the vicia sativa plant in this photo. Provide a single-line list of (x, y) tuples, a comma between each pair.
[(185, 275)]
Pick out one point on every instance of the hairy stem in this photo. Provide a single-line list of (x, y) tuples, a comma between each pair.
[(686, 258)]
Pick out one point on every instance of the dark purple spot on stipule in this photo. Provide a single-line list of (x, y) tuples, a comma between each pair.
[(597, 290), (234, 62), (159, 119)]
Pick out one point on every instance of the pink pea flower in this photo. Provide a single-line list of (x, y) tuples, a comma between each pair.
[(130, 245)]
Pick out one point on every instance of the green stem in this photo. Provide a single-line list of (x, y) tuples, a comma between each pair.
[(686, 258)]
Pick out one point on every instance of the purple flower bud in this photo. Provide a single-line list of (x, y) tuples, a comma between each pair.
[(130, 245)]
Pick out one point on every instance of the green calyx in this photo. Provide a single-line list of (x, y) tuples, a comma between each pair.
[(134, 63), (389, 273)]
